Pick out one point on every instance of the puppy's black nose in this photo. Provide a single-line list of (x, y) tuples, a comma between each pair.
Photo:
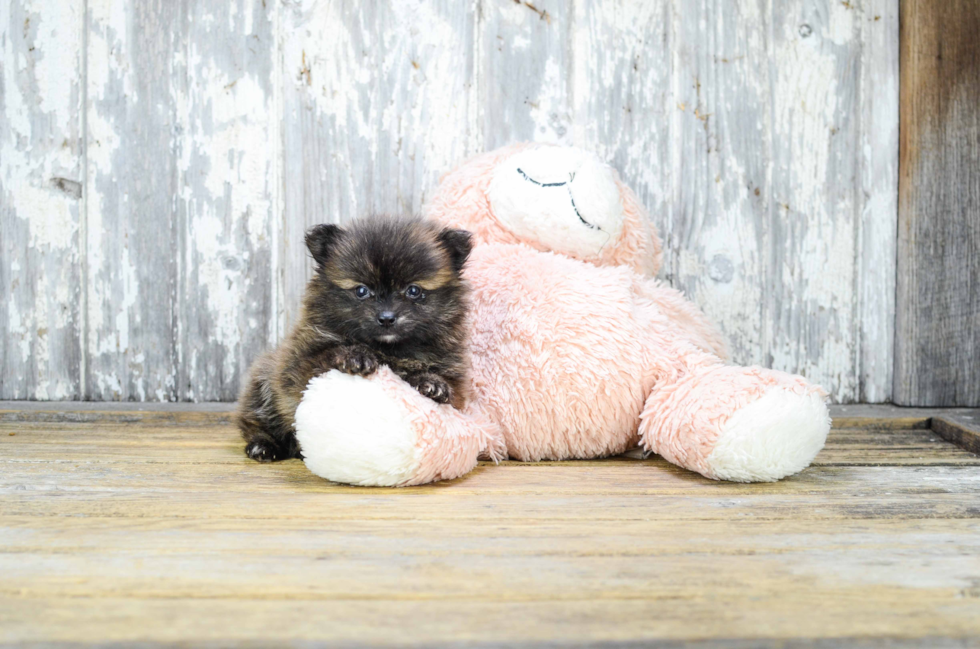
[(386, 318)]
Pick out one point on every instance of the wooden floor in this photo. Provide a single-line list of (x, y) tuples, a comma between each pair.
[(152, 528)]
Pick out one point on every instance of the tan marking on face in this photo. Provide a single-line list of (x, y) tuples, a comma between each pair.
[(440, 279), (344, 282)]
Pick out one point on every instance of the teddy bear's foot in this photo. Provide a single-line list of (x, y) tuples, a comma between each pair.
[(777, 435), (379, 431), (745, 424)]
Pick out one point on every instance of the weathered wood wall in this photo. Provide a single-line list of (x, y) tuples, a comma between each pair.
[(937, 355), (160, 159)]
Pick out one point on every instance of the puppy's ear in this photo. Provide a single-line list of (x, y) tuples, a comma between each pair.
[(320, 239), (458, 244)]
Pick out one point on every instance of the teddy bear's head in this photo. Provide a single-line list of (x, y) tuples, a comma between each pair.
[(554, 198)]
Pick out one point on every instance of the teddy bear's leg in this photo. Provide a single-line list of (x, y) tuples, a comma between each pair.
[(671, 311), (379, 431), (745, 424)]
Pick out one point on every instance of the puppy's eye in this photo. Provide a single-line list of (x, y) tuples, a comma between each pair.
[(413, 292), (362, 292)]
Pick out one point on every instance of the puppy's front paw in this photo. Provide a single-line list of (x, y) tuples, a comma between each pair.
[(262, 451), (433, 387), (356, 361)]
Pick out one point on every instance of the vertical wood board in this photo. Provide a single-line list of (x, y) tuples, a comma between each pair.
[(227, 210), (525, 71), (41, 186), (131, 247), (811, 311), (937, 341), (721, 148), (875, 321)]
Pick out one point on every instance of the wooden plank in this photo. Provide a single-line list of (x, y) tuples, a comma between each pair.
[(207, 438), (888, 412), (107, 418), (844, 416), (882, 618), (722, 130), (377, 103), (95, 479), (210, 460), (721, 537), (938, 272), (962, 430), (109, 427), (86, 535), (870, 447), (525, 72), (816, 204), (134, 441), (213, 440), (623, 96), (41, 196), (641, 491), (876, 423), (133, 180), (877, 234), (27, 409), (228, 208), (493, 567)]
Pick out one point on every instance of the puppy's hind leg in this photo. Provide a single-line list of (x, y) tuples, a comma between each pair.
[(268, 436)]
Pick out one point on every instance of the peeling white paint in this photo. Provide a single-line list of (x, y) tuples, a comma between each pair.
[(130, 294), (229, 126), (40, 168), (770, 178), (237, 148), (814, 200), (58, 44), (549, 112), (879, 185), (840, 28)]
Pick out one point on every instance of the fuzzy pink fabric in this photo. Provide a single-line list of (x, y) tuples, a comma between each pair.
[(564, 371), (448, 441), (461, 202), (549, 365)]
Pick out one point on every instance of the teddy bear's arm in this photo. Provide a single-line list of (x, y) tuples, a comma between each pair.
[(379, 431)]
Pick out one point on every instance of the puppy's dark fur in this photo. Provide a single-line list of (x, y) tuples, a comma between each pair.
[(387, 291)]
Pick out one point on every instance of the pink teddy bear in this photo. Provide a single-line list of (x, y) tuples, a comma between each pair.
[(578, 352)]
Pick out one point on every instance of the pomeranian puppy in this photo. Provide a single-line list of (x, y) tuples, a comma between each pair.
[(386, 291)]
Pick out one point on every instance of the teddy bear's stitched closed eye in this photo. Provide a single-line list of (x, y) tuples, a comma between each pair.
[(570, 197)]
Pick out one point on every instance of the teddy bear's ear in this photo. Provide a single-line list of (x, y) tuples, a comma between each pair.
[(320, 240), (458, 244)]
